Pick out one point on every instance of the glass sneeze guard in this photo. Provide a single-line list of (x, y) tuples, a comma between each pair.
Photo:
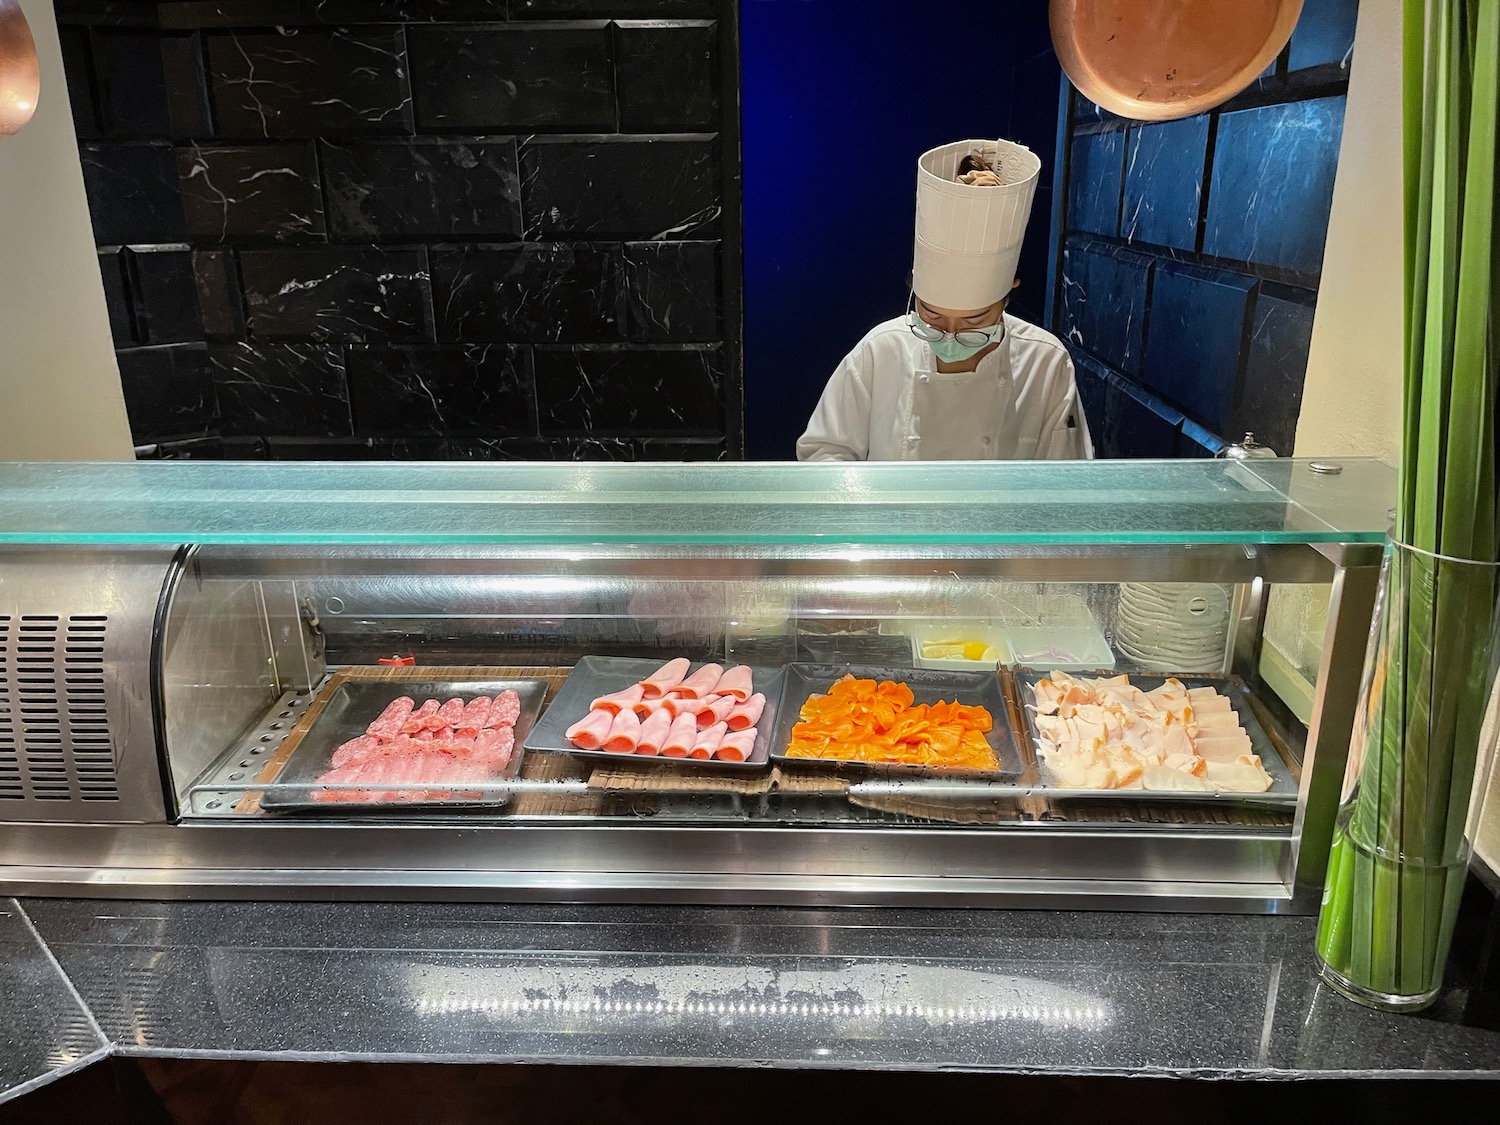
[(748, 504)]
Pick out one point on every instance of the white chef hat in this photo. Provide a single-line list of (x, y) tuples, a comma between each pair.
[(969, 238)]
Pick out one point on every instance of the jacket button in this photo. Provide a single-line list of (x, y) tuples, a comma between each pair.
[(923, 377)]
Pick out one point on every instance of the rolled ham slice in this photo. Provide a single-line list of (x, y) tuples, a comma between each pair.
[(680, 738), (700, 683), (654, 731), (736, 746), (736, 682), (747, 714), (645, 708), (589, 732), (679, 706), (665, 678), (708, 741), (622, 700), (717, 710), (624, 733)]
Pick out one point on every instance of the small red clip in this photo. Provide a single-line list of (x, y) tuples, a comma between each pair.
[(398, 661)]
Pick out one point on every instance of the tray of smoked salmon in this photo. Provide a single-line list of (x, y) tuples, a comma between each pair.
[(679, 713), (916, 722)]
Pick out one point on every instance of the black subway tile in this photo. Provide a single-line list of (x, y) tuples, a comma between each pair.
[(133, 193), (253, 192), (683, 449), (671, 291), (476, 389), (518, 77), (627, 390), (610, 188), (117, 297), (78, 73), (667, 76), (219, 297), (193, 14), (310, 83), (187, 86), (168, 392), (647, 9), (166, 295), (537, 293), (301, 13), (402, 11), (336, 293), (132, 84), (282, 389), (423, 187), (106, 13)]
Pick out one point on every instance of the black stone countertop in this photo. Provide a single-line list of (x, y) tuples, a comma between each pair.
[(44, 1030), (1024, 991)]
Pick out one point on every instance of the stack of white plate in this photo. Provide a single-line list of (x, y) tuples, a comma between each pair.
[(1173, 626)]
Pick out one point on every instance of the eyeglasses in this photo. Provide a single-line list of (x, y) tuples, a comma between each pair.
[(968, 338)]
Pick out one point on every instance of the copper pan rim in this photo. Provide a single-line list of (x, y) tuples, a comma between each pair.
[(1159, 60), (20, 71)]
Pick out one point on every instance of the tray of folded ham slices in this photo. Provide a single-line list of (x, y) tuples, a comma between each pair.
[(680, 712), (1179, 737), (414, 742)]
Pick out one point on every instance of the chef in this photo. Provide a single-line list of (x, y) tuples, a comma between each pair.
[(957, 378)]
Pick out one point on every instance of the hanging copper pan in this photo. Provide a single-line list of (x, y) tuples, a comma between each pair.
[(1154, 60), (20, 74)]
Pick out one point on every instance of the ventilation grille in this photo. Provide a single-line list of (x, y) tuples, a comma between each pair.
[(55, 741), (10, 758)]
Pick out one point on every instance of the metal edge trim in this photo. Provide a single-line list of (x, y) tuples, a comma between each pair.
[(159, 620)]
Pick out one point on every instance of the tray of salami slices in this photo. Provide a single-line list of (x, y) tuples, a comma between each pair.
[(406, 744), (679, 713)]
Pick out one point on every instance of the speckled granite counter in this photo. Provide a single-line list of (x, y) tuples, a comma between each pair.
[(44, 1030), (1061, 993)]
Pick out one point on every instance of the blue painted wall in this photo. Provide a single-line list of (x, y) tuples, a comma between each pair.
[(839, 99), (1191, 253)]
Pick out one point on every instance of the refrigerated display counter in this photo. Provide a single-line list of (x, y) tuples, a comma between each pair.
[(189, 651)]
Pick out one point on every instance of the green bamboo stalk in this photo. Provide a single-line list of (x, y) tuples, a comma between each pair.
[(1394, 872)]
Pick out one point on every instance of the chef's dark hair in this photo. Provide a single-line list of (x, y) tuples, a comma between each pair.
[(973, 163)]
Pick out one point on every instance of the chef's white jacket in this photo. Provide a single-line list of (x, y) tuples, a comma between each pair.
[(887, 401)]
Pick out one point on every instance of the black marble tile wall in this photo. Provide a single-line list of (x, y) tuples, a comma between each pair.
[(472, 229), (1189, 252)]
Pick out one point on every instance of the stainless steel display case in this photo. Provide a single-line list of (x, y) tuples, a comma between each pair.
[(163, 627)]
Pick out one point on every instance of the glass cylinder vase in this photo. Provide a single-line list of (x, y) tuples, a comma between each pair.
[(1423, 743)]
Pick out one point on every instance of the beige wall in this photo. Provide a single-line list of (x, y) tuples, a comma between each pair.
[(1351, 403), (59, 386)]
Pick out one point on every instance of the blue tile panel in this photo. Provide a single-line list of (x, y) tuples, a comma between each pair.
[(1198, 319), (1096, 177), (1272, 184), (1275, 366), (1104, 296), (1124, 420), (1164, 183), (1325, 32)]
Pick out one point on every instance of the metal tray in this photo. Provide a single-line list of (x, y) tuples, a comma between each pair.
[(927, 685), (594, 676), (355, 704), (1283, 789)]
